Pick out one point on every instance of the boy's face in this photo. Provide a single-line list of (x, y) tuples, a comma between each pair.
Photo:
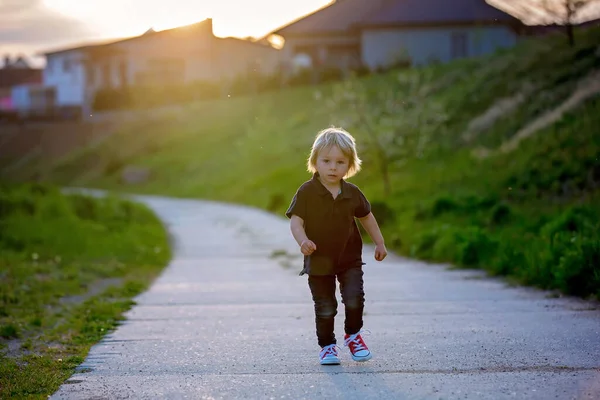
[(332, 165)]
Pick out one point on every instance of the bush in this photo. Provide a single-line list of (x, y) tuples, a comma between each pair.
[(470, 246), (465, 204), (501, 214), (509, 259), (383, 212), (563, 255), (424, 244), (474, 247), (578, 270), (443, 205), (48, 222), (574, 219)]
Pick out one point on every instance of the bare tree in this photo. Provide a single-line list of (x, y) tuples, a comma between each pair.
[(567, 13), (397, 117)]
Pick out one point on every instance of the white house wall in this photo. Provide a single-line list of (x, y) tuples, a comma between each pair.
[(318, 44), (381, 46), (70, 82), (237, 57), (142, 52), (202, 59)]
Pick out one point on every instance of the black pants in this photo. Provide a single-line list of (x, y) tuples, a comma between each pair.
[(323, 293)]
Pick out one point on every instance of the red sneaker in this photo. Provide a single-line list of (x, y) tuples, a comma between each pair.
[(357, 346)]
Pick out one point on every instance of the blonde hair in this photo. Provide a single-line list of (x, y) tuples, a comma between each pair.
[(339, 137)]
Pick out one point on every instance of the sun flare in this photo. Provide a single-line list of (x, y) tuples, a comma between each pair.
[(240, 18)]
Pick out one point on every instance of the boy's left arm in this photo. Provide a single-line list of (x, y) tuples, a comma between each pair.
[(370, 224)]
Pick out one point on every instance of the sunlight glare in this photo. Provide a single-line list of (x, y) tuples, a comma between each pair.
[(239, 18), (75, 9), (131, 17)]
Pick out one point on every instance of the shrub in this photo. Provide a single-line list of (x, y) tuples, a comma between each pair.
[(501, 214), (474, 247), (510, 258), (443, 205), (383, 212), (578, 270), (445, 247), (276, 202), (466, 204), (424, 244), (9, 331), (574, 219), (85, 207)]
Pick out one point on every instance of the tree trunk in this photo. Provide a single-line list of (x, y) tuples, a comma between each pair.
[(380, 151), (570, 34), (385, 175)]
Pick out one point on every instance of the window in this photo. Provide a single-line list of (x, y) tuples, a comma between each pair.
[(67, 64), (123, 78), (459, 45), (90, 74), (164, 71), (106, 78)]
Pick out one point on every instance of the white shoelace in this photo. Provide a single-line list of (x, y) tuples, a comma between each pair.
[(329, 350), (355, 341)]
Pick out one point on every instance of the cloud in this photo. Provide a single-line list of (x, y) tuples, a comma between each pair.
[(28, 25)]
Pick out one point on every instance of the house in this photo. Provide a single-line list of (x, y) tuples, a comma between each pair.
[(15, 72), (176, 56), (380, 33)]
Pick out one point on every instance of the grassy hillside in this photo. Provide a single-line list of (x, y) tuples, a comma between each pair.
[(69, 267), (486, 163)]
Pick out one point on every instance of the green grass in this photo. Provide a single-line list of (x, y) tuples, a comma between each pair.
[(69, 268), (498, 213)]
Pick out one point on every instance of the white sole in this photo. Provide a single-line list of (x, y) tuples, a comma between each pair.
[(361, 359), (330, 362)]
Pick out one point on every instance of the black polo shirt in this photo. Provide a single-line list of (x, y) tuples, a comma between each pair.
[(330, 224)]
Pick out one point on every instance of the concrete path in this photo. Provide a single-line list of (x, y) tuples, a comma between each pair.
[(229, 320)]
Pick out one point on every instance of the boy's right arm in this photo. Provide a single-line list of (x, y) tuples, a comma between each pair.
[(307, 247)]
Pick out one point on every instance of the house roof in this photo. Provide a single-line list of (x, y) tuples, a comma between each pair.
[(17, 76), (344, 15), (337, 16), (418, 12), (207, 23), (104, 47), (79, 47)]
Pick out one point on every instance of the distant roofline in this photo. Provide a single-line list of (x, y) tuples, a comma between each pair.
[(92, 46), (434, 23), (147, 33), (287, 25), (258, 42), (510, 20), (79, 47)]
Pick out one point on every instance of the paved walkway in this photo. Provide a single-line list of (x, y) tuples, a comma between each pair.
[(229, 320)]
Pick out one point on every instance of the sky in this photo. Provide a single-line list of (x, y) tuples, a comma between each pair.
[(31, 26), (28, 27)]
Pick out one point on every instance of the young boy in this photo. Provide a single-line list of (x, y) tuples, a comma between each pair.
[(322, 220)]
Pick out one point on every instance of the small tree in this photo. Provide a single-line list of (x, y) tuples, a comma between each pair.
[(397, 116), (566, 12), (562, 12)]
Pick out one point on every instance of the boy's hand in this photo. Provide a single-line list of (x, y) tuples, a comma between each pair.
[(380, 252), (307, 247)]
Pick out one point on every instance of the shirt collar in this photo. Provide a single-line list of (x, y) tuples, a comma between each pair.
[(323, 191)]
